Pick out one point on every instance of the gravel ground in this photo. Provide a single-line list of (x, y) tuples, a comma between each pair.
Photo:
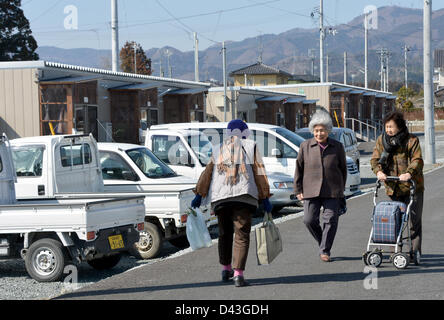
[(15, 284)]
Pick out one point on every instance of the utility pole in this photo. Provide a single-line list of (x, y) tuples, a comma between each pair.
[(345, 67), (405, 65), (326, 71), (170, 71), (382, 52), (114, 36), (135, 57), (224, 66), (311, 53), (196, 58), (429, 123), (366, 50), (321, 41), (388, 54)]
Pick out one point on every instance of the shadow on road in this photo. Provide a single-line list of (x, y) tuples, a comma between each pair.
[(428, 265)]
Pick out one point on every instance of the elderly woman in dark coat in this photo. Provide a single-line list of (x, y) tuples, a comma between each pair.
[(398, 153), (320, 176)]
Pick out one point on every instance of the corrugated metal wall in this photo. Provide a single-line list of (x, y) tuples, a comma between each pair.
[(19, 103)]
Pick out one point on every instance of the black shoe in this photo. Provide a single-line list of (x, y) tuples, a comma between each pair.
[(239, 281), (227, 275)]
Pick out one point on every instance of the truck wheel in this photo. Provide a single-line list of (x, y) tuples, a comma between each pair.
[(180, 242), (45, 260), (106, 262), (150, 242)]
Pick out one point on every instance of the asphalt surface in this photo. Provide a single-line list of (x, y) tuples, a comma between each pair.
[(297, 273)]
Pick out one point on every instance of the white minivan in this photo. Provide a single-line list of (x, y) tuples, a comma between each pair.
[(278, 146), (188, 151)]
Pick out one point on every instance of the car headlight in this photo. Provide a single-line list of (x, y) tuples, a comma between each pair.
[(283, 185)]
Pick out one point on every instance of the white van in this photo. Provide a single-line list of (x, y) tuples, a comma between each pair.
[(278, 146), (188, 151)]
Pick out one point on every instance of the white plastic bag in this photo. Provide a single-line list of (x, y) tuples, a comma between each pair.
[(197, 231)]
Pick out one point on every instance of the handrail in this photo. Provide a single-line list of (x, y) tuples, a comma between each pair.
[(365, 134)]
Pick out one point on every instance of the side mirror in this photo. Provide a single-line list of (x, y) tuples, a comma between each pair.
[(130, 176), (276, 153)]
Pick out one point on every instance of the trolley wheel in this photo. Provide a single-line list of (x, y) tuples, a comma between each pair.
[(400, 260), (374, 259)]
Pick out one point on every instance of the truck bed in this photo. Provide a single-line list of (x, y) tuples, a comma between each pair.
[(73, 214)]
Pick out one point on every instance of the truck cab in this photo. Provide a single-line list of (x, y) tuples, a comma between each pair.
[(49, 165), (49, 233)]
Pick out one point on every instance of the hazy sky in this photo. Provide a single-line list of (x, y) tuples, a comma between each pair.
[(158, 23)]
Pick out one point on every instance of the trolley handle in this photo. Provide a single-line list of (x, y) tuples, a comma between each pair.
[(396, 179)]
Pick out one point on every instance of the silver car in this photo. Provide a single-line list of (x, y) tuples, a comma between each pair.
[(281, 188)]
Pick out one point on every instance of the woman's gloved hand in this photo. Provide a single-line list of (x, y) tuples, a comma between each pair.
[(267, 205), (195, 203)]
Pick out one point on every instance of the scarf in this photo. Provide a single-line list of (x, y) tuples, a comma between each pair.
[(231, 160), (391, 144)]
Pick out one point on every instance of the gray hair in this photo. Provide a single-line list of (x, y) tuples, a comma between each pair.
[(322, 118)]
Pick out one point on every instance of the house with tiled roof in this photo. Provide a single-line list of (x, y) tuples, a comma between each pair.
[(259, 74)]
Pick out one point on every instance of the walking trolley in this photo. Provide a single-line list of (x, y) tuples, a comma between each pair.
[(390, 223)]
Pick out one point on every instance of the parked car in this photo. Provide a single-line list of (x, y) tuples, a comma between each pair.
[(134, 169), (112, 170), (49, 233), (188, 151), (279, 146), (344, 135)]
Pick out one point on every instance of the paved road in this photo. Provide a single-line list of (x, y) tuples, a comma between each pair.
[(297, 273)]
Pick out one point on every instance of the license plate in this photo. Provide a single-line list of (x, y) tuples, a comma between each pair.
[(116, 242)]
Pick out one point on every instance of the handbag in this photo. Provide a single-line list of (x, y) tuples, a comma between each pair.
[(268, 241), (197, 231)]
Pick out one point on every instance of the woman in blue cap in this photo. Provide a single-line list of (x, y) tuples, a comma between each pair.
[(234, 181)]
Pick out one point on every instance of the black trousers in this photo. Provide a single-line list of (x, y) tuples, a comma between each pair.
[(234, 218), (415, 218), (325, 232)]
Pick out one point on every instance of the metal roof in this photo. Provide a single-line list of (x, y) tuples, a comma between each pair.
[(41, 64), (187, 91), (67, 80), (295, 100), (273, 98), (356, 91), (136, 86), (310, 101), (340, 90)]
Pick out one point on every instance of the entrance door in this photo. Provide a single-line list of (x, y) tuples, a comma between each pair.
[(85, 119)]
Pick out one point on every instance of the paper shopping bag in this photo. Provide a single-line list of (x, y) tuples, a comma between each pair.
[(268, 241)]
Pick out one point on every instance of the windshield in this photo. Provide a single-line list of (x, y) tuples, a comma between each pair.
[(149, 164), (290, 136), (28, 161), (201, 146)]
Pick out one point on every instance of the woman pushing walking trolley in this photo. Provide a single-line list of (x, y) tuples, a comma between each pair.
[(390, 230)]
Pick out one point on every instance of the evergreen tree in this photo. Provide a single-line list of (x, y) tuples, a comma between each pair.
[(143, 64), (16, 40)]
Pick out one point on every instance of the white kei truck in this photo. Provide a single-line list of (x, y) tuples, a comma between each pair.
[(119, 170), (52, 233)]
